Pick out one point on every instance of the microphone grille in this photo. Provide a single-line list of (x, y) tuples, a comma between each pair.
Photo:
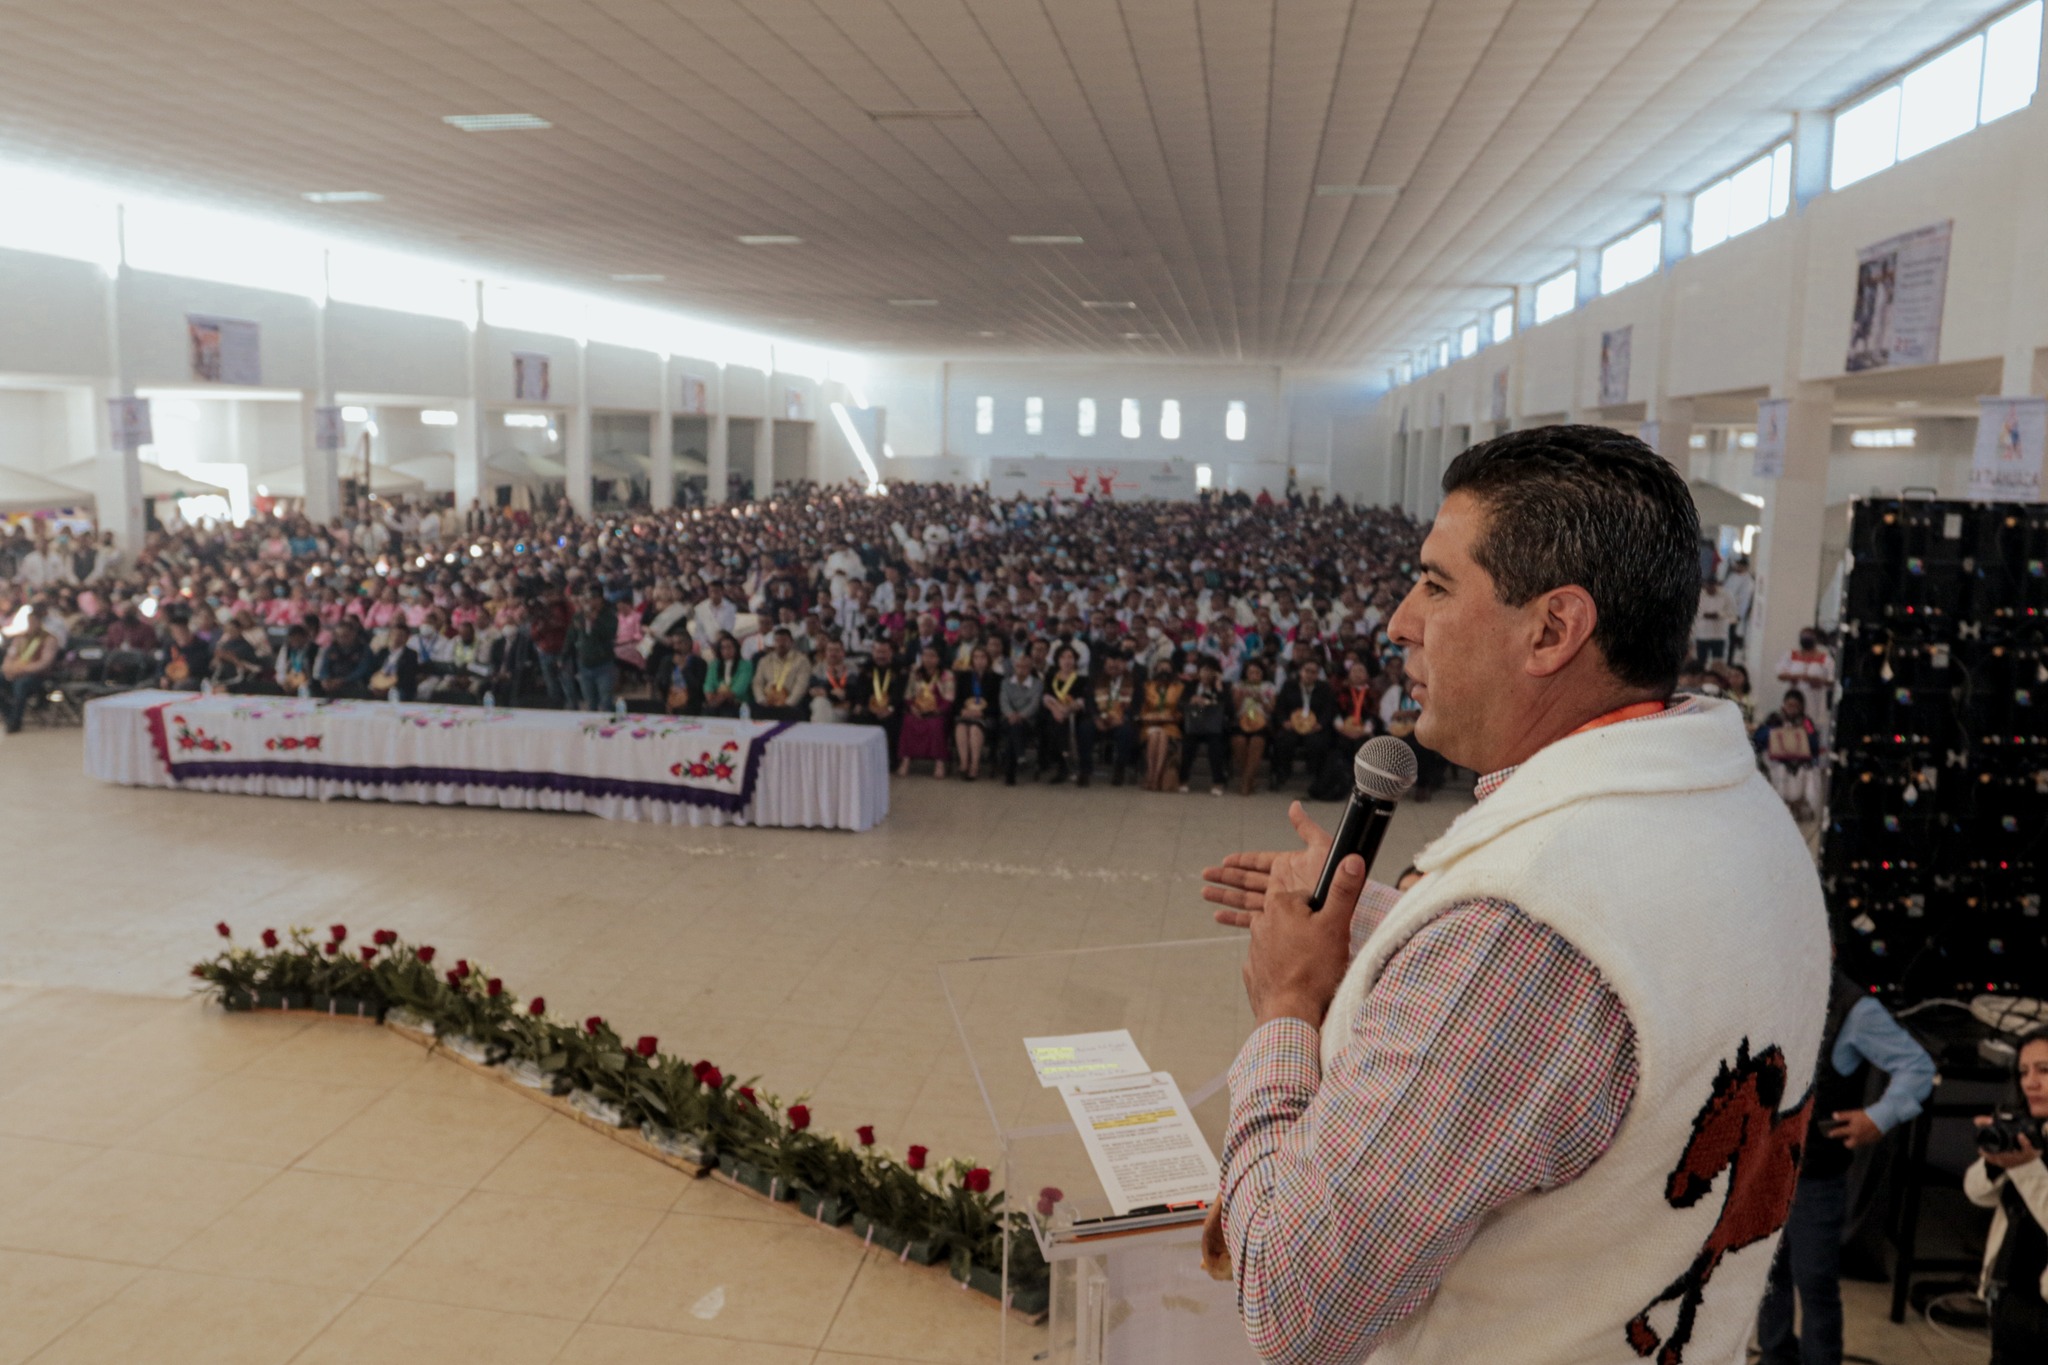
[(1384, 769)]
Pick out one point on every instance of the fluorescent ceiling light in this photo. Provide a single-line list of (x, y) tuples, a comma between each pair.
[(342, 197), (913, 303), (638, 279), (526, 419), (920, 115), (353, 413), (437, 417), (494, 123), (769, 239), (1046, 239), (1357, 191), (1141, 336), (1109, 305)]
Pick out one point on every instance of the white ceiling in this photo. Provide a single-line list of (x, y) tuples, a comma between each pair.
[(1183, 139)]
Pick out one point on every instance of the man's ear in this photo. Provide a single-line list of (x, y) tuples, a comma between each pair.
[(1562, 621)]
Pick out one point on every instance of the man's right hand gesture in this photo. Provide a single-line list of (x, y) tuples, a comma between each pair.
[(1243, 882)]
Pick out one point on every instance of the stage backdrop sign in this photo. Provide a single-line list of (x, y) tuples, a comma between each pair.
[(225, 350), (1498, 412), (696, 397), (1111, 480), (1614, 358), (2012, 435), (530, 376), (1900, 285), (327, 429), (1770, 437), (128, 423)]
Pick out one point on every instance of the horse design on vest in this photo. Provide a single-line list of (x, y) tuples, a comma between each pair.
[(1740, 1131)]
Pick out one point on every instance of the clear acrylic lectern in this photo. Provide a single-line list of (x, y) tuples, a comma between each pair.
[(1123, 1298)]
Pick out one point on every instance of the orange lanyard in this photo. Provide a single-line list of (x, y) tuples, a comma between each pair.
[(1635, 710)]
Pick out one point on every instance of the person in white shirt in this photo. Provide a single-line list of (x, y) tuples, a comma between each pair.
[(44, 567), (1710, 623), (1740, 586), (716, 615), (1811, 669)]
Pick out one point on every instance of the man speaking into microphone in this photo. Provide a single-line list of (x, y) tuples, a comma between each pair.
[(1546, 1107)]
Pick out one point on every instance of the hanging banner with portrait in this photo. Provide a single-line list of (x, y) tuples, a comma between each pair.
[(1770, 437), (529, 376), (2012, 436), (128, 423), (1900, 285), (793, 404), (1614, 360), (225, 350), (328, 433), (695, 400)]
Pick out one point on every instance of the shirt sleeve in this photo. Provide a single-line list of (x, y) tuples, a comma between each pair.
[(1490, 1061), (1870, 1034)]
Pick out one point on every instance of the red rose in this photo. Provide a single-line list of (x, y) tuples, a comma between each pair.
[(198, 971), (494, 988), (384, 938), (333, 948), (645, 1047), (270, 938), (462, 966), (711, 1076), (223, 930), (914, 1158), (425, 954), (339, 931), (455, 978), (747, 1094), (976, 1180), (1047, 1197), (538, 1007), (369, 953), (866, 1134), (799, 1117), (593, 1024)]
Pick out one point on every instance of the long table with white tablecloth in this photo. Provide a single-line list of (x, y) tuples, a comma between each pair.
[(667, 769)]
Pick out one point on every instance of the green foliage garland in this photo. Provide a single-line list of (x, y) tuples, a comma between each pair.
[(949, 1204)]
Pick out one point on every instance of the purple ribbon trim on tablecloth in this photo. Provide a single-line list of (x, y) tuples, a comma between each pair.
[(732, 803)]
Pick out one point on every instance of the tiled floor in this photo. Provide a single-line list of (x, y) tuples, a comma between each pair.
[(175, 1184)]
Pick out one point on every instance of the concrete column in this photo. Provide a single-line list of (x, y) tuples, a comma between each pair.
[(717, 449), (576, 441), (1813, 134), (1677, 215), (472, 446), (661, 445), (118, 487), (764, 444), (1789, 550), (1589, 274), (319, 467), (1669, 422)]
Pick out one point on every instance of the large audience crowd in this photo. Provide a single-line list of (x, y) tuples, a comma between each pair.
[(1242, 636)]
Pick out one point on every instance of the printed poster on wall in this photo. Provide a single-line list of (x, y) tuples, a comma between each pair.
[(1498, 410), (1614, 359), (1770, 438), (696, 397), (2012, 436), (327, 429), (1900, 285), (793, 404), (529, 376), (128, 423), (225, 350)]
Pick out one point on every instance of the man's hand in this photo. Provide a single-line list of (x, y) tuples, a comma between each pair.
[(1298, 956), (1854, 1128), (1246, 879)]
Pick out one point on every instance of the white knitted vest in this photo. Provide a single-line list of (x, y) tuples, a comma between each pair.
[(1657, 849)]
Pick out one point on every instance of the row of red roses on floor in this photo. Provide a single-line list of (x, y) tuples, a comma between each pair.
[(950, 1205)]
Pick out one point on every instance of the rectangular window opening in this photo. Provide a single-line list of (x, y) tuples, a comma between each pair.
[(1205, 478), (1084, 417), (1557, 295), (1169, 420), (1468, 339), (1234, 420), (1635, 255), (1504, 322), (1133, 424), (1034, 416)]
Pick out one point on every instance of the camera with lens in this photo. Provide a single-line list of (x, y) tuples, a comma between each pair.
[(2005, 1130)]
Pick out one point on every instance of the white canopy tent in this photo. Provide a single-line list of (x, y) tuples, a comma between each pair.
[(21, 492), (157, 482), (1719, 507)]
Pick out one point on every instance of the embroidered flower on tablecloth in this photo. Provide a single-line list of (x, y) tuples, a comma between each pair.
[(291, 742), (723, 766), (190, 738)]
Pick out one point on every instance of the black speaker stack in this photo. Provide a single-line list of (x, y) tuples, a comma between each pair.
[(1936, 839)]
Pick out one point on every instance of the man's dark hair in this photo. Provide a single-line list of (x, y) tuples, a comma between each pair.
[(1588, 506)]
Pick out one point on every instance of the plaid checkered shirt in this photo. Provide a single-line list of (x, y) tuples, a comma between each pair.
[(1489, 1061)]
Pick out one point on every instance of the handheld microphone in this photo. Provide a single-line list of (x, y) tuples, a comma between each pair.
[(1381, 775)]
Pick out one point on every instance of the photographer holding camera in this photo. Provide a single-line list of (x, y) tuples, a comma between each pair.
[(2011, 1180)]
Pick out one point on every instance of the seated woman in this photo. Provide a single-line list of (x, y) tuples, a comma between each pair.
[(929, 706), (1159, 724), (976, 689), (2014, 1183), (1252, 701), (728, 679)]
